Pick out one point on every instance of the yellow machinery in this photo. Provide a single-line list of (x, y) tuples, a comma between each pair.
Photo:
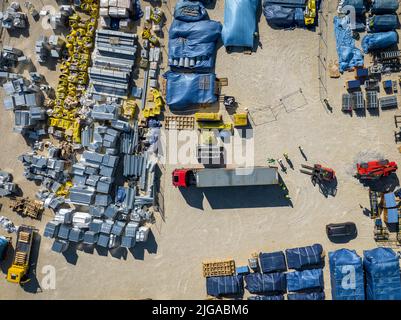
[(20, 267), (241, 119), (207, 116), (310, 13), (158, 101), (218, 125), (146, 34), (74, 71), (129, 107)]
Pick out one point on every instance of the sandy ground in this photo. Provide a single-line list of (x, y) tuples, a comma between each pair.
[(230, 223)]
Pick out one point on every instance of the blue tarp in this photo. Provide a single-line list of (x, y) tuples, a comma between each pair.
[(348, 55), (272, 262), (3, 247), (385, 22), (239, 23), (306, 296), (186, 89), (225, 285), (346, 274), (279, 17), (193, 40), (286, 3), (381, 40), (382, 270), (203, 1), (259, 283), (299, 258), (303, 280), (276, 298), (357, 4), (190, 11), (384, 6)]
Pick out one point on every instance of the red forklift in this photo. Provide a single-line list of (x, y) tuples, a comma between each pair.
[(319, 173), (374, 170)]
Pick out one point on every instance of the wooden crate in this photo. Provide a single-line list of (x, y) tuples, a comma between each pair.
[(218, 268), (179, 123)]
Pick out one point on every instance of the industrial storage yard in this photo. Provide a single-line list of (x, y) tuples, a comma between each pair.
[(294, 105)]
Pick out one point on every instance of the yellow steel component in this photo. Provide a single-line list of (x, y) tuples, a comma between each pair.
[(64, 189), (241, 119), (215, 125), (310, 12), (199, 116), (129, 107)]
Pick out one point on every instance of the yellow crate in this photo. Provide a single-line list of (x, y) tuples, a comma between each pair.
[(241, 119)]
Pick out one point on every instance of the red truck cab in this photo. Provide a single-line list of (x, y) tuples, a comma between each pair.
[(181, 178)]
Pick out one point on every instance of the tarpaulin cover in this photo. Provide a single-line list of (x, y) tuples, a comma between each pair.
[(276, 298), (190, 11), (357, 4), (286, 3), (279, 17), (307, 279), (185, 89), (346, 275), (239, 23), (3, 246), (272, 262), (384, 6), (299, 17), (225, 285), (203, 1), (299, 258), (195, 40), (306, 296), (381, 40), (266, 282), (382, 270), (348, 55), (385, 22)]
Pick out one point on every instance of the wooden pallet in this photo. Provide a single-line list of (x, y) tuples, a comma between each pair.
[(179, 123), (218, 268)]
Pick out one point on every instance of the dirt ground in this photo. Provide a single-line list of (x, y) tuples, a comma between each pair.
[(228, 223)]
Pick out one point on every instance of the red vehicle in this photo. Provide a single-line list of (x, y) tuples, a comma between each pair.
[(375, 169)]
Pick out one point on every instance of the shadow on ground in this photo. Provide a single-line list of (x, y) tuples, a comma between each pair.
[(236, 197)]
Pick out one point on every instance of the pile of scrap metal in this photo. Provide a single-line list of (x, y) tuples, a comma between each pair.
[(26, 100), (60, 18), (112, 215), (7, 187), (9, 59), (27, 207), (49, 47), (117, 14), (13, 18), (113, 60)]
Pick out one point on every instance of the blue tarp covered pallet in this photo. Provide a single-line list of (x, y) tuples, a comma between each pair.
[(384, 6), (239, 23), (380, 40), (186, 89), (346, 274), (358, 5), (3, 246), (382, 270), (306, 296), (348, 55), (225, 285), (259, 283), (272, 262), (299, 258), (303, 280), (275, 298), (190, 11), (193, 40), (286, 3), (279, 17), (381, 23)]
